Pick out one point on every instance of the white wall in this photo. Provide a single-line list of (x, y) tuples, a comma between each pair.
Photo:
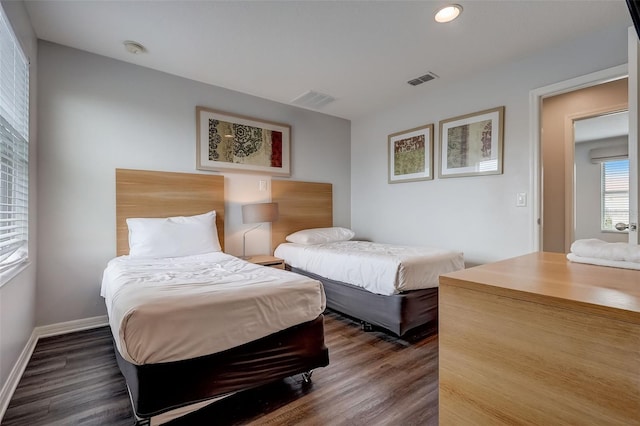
[(588, 192), (477, 215), (98, 114), (18, 295)]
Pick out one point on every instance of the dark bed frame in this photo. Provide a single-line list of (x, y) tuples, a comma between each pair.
[(398, 313), (157, 388)]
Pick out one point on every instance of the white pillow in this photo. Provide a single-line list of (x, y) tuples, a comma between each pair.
[(173, 236), (321, 235)]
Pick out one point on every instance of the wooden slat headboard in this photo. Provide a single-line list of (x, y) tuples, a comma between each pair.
[(301, 205), (142, 193)]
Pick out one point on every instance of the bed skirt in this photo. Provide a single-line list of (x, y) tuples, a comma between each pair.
[(158, 388), (398, 313)]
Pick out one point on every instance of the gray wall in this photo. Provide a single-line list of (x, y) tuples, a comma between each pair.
[(98, 114), (477, 215), (588, 192), (18, 295)]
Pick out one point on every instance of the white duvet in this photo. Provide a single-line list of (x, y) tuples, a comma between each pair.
[(379, 268), (163, 310)]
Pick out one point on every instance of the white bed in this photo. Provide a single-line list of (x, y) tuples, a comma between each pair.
[(379, 268), (390, 286), (163, 310), (191, 324)]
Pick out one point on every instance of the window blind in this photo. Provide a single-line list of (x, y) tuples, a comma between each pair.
[(615, 193), (14, 148), (609, 153)]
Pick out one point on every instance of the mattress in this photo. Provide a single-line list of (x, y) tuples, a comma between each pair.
[(379, 268), (163, 310)]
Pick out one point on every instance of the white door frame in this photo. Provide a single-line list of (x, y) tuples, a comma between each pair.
[(535, 105), (633, 56)]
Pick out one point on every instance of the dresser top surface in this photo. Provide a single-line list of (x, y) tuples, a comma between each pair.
[(542, 277)]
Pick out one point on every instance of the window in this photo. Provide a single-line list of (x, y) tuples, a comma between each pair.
[(615, 194), (14, 148)]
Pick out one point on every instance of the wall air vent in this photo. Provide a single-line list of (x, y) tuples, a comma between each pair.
[(422, 79), (313, 100)]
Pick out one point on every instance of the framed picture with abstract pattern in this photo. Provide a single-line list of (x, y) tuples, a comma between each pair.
[(411, 155), (471, 145), (233, 143)]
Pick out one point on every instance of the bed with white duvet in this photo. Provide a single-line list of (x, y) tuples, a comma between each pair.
[(391, 286), (171, 309), (190, 323), (379, 268)]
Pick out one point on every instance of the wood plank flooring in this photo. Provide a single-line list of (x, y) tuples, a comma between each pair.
[(372, 379)]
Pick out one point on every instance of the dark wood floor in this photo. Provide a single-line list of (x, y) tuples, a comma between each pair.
[(372, 379)]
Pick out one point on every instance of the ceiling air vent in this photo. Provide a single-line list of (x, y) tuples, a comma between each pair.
[(313, 99), (422, 79)]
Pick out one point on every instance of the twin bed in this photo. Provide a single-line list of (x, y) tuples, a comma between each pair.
[(190, 327), (388, 286), (194, 327)]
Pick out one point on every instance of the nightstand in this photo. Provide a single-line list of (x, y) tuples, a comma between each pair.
[(265, 260)]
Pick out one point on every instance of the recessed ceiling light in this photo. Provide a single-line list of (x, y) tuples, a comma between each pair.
[(134, 47), (448, 13)]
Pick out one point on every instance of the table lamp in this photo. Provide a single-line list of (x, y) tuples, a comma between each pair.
[(257, 213)]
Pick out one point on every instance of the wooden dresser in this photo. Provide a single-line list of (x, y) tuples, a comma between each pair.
[(538, 340)]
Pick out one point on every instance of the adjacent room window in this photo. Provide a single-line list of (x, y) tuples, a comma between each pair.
[(14, 148), (615, 193)]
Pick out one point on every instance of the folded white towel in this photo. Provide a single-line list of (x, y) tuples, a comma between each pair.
[(598, 249), (604, 262)]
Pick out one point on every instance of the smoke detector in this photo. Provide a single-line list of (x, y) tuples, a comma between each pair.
[(134, 47)]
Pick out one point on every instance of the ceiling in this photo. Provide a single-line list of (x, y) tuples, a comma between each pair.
[(360, 52)]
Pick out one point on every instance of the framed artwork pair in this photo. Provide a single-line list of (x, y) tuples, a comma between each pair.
[(470, 145)]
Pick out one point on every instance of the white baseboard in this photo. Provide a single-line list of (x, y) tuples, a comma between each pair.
[(71, 326), (39, 332), (16, 373)]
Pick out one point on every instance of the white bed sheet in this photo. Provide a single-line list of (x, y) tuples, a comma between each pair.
[(163, 310), (379, 268)]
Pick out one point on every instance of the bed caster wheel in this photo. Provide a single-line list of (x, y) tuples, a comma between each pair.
[(366, 326), (306, 377)]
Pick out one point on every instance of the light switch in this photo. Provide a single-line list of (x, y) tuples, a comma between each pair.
[(262, 185), (521, 199)]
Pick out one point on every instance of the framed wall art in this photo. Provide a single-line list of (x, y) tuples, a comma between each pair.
[(227, 142), (471, 144), (411, 155)]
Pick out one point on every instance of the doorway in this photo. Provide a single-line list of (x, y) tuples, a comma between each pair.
[(536, 98), (601, 178), (630, 70), (559, 114)]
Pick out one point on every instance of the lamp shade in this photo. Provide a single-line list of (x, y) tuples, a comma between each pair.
[(261, 212)]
